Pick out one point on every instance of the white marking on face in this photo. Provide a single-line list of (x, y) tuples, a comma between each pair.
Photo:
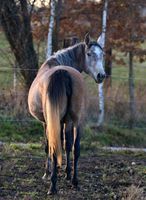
[(94, 60), (99, 59)]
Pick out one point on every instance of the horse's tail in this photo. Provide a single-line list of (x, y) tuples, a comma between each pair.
[(60, 86)]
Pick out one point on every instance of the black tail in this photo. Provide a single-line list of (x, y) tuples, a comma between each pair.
[(60, 85)]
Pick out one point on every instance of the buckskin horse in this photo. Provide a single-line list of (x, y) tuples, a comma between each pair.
[(56, 98)]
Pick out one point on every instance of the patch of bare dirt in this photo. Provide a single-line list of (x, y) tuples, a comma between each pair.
[(102, 176)]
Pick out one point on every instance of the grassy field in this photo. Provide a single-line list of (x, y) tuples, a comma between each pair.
[(115, 131), (32, 132), (102, 174), (6, 63)]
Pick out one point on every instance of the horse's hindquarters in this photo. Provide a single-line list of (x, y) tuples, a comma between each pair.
[(35, 103)]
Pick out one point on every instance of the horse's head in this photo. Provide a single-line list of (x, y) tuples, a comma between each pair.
[(94, 58)]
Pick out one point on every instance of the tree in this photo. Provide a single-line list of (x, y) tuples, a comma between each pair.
[(79, 17), (15, 21), (100, 87), (127, 33), (51, 26), (57, 25)]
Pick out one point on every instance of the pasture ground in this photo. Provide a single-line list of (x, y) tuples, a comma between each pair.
[(103, 175)]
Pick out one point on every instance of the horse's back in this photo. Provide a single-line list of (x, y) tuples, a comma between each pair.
[(39, 90)]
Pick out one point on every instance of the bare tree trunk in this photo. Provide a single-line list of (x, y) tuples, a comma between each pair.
[(131, 91), (100, 87), (51, 26), (15, 21), (108, 69), (57, 25)]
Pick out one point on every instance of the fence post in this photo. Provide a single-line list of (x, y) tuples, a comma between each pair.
[(15, 77)]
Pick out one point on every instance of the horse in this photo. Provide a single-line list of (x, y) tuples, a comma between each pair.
[(56, 98)]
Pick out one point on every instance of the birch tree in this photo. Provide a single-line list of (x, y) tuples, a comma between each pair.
[(100, 86), (51, 26)]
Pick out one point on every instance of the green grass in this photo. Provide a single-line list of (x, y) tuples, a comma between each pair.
[(120, 72), (141, 170), (91, 139), (6, 61), (21, 132), (6, 58), (111, 135)]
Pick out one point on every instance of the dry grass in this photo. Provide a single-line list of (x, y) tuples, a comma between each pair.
[(134, 193)]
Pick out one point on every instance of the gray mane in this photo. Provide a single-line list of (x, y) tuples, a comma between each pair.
[(72, 56)]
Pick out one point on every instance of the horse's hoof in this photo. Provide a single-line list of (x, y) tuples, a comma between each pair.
[(45, 176), (75, 182), (52, 191)]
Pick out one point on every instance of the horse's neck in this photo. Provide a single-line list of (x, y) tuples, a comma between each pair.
[(78, 57), (70, 57)]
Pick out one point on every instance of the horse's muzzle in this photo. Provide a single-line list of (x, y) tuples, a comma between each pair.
[(100, 78)]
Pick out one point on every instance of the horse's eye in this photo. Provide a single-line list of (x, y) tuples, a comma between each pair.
[(88, 54)]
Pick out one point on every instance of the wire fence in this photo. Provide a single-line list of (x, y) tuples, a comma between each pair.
[(17, 70), (13, 100)]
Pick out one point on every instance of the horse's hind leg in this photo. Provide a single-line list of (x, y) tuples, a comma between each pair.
[(68, 147), (76, 154), (52, 189), (47, 163), (62, 135)]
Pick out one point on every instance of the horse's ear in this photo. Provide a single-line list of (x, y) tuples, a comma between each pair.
[(87, 39), (100, 40)]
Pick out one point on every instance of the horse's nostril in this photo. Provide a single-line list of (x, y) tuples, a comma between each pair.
[(98, 76)]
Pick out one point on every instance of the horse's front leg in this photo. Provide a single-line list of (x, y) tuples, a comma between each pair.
[(76, 154), (53, 189), (68, 148)]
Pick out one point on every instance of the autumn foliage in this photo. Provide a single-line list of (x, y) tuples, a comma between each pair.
[(126, 24)]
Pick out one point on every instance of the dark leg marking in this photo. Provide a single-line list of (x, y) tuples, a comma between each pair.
[(68, 149), (53, 189), (76, 155)]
